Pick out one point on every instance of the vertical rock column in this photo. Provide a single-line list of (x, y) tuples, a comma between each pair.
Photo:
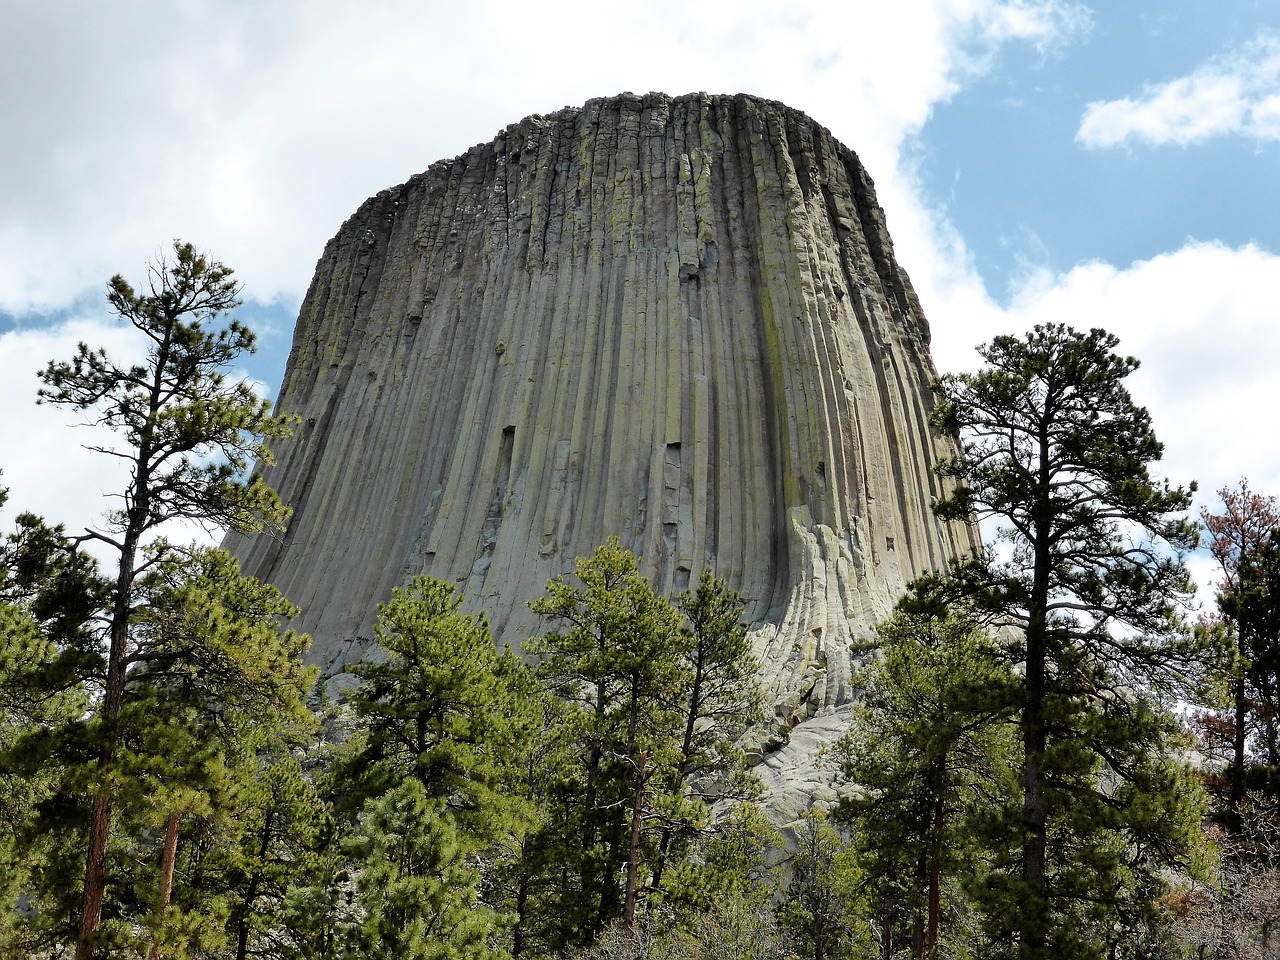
[(674, 320)]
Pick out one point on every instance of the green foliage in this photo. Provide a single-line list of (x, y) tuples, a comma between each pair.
[(180, 656), (723, 698), (420, 895), (821, 911), (643, 741), (1055, 451), (48, 662), (622, 660), (730, 865), (433, 777), (189, 433), (439, 704), (1252, 603), (31, 714), (930, 747)]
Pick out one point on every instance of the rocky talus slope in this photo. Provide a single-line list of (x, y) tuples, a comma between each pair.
[(674, 320)]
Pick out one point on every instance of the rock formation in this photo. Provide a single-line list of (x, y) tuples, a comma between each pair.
[(674, 320)]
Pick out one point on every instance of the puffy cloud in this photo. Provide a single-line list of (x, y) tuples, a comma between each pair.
[(1201, 320), (49, 467), (53, 474), (255, 129), (1234, 94)]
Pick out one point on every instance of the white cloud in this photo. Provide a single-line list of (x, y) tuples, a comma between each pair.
[(1202, 321), (1046, 26), (254, 130), (1235, 94), (47, 467)]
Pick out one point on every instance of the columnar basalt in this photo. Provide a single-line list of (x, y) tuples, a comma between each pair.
[(674, 320)]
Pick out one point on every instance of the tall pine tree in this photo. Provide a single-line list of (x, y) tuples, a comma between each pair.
[(1057, 454), (621, 658), (188, 435)]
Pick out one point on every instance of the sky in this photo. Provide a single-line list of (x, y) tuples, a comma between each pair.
[(1110, 165)]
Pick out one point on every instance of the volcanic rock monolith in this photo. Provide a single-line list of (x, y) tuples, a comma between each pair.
[(674, 320)]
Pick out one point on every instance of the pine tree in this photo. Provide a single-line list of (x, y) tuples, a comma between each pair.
[(215, 683), (1240, 531), (1252, 602), (32, 713), (822, 910), (48, 596), (1055, 450), (420, 894), (929, 749), (722, 701), (188, 436), (439, 704), (443, 723), (621, 659)]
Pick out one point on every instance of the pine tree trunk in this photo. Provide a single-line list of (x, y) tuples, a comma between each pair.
[(917, 917), (935, 871), (95, 874), (522, 908), (167, 862), (95, 883), (1034, 735), (1237, 760), (633, 862), (686, 751)]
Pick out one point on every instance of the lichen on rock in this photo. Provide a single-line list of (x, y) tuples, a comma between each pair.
[(674, 320)]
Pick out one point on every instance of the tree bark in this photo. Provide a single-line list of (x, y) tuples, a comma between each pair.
[(633, 862), (935, 870), (1237, 759), (95, 875), (167, 862), (1034, 734), (522, 908)]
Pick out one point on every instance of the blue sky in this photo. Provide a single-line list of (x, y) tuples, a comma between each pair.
[(1038, 160), (1004, 160)]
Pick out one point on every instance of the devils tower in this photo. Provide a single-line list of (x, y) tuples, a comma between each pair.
[(674, 320)]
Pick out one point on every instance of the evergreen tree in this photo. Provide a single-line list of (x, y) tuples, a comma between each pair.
[(622, 660), (729, 870), (443, 722), (1055, 450), (420, 895), (1239, 912), (928, 749), (215, 684), (1252, 602), (1239, 531), (822, 911), (188, 436), (48, 596), (722, 700), (439, 704), (276, 846), (31, 715), (536, 882)]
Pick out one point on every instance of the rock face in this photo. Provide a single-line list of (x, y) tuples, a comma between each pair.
[(674, 320)]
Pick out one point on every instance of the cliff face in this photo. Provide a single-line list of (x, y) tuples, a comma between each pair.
[(679, 321)]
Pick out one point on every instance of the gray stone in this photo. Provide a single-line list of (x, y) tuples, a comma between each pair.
[(674, 320)]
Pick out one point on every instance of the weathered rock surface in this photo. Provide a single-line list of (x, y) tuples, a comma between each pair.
[(674, 320)]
